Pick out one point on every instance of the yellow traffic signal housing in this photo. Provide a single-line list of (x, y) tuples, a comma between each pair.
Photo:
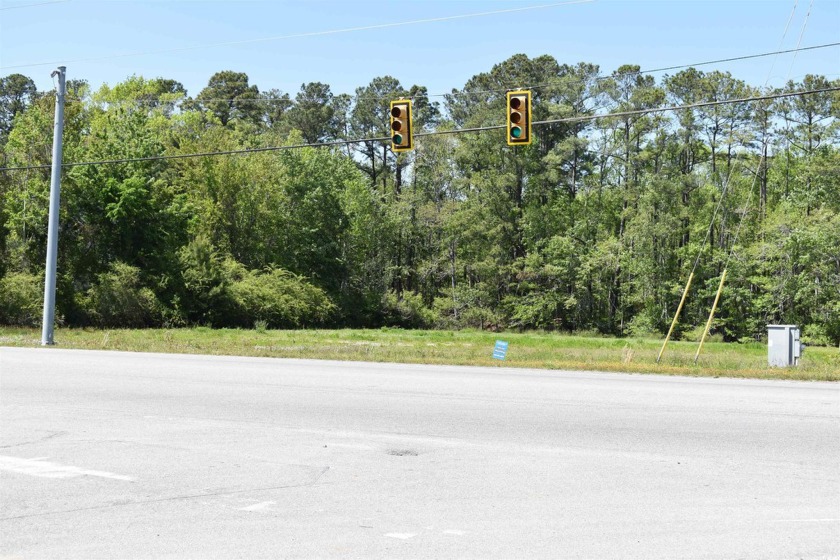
[(401, 133), (518, 118)]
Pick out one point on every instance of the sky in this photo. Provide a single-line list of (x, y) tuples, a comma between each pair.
[(284, 44)]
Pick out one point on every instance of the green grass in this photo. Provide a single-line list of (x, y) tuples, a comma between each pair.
[(527, 350)]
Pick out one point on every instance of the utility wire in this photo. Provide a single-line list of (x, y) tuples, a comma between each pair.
[(801, 34), (533, 86), (32, 5), (435, 133), (690, 106), (764, 144), (309, 34), (766, 138), (746, 211), (651, 71), (782, 40), (761, 159), (745, 57), (714, 215)]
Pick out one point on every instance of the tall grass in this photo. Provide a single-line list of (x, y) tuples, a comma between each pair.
[(526, 350)]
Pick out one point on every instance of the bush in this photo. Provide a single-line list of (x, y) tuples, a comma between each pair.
[(472, 308), (406, 311), (276, 298), (21, 299), (643, 326), (816, 335), (118, 299), (206, 275), (481, 318), (537, 310), (696, 333)]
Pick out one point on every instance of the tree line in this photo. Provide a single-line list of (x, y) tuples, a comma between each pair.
[(594, 227)]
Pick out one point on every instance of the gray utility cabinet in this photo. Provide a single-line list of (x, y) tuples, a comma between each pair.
[(783, 345)]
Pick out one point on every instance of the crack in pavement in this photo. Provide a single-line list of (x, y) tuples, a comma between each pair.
[(313, 482), (39, 440)]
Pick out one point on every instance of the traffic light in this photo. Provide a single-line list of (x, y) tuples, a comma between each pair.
[(401, 139), (518, 117)]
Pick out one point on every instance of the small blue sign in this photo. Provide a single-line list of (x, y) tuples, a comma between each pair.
[(500, 350)]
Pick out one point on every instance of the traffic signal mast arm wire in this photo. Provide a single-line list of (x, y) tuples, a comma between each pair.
[(582, 118)]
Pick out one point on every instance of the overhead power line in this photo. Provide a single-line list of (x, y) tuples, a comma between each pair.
[(736, 58), (577, 119), (782, 40), (801, 34), (303, 35), (651, 71), (692, 105), (32, 5), (532, 86)]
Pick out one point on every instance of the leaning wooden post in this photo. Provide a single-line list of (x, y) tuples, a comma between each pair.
[(676, 315), (711, 315)]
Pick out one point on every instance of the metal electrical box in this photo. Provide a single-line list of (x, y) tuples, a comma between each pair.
[(783, 346)]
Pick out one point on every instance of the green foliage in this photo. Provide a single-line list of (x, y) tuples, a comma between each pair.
[(21, 299), (406, 311), (596, 226), (230, 98), (279, 299), (313, 113), (205, 278), (16, 93), (119, 299), (642, 326)]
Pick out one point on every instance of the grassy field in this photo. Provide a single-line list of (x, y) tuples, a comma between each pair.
[(526, 350)]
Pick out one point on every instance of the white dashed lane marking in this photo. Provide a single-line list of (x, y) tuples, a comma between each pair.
[(45, 469), (258, 507), (402, 536)]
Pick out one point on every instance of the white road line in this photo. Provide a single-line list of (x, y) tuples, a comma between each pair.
[(453, 532), (45, 469), (258, 507), (403, 536), (829, 520)]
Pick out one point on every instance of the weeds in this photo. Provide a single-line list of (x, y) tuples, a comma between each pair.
[(471, 348)]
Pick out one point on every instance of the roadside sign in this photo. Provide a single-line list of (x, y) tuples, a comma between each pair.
[(500, 350)]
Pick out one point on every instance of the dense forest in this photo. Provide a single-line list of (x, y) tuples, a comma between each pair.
[(594, 227)]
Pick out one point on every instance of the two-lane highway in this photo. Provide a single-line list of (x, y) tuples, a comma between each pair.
[(123, 455)]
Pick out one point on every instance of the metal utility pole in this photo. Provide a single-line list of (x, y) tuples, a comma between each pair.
[(55, 197)]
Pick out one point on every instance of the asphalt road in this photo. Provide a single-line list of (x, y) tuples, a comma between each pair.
[(121, 455)]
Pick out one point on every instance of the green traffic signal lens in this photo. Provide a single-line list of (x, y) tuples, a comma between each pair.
[(516, 132), (398, 139)]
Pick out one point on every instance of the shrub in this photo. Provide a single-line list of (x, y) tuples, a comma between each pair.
[(21, 299), (816, 335), (118, 299), (278, 299), (643, 326), (406, 311), (538, 309), (472, 307), (206, 275), (696, 333)]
